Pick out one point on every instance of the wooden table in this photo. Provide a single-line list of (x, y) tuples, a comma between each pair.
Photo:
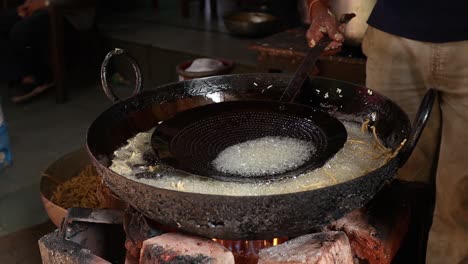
[(284, 51)]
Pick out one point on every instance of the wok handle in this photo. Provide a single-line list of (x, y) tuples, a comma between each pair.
[(105, 85), (422, 116)]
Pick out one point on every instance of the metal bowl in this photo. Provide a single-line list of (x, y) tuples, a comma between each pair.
[(63, 169), (228, 66), (251, 24)]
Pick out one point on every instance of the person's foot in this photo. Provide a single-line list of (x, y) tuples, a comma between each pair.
[(26, 91)]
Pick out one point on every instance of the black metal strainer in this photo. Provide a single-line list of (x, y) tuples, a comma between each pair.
[(192, 139)]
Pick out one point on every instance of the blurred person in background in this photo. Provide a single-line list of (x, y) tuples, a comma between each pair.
[(24, 43), (411, 46)]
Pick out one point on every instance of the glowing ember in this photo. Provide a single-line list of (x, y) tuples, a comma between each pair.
[(246, 251)]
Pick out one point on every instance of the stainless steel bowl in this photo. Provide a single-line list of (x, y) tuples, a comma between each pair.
[(251, 24)]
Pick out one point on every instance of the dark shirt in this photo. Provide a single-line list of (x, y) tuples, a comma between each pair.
[(423, 20)]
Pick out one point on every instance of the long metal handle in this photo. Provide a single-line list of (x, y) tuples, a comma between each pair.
[(312, 56), (136, 69), (302, 72)]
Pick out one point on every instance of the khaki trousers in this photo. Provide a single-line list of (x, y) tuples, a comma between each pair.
[(403, 69)]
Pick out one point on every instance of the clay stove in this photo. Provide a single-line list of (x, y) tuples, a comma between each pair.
[(372, 235)]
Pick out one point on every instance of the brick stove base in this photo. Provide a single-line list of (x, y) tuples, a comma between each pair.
[(370, 235)]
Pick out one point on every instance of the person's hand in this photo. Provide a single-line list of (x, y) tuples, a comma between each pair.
[(323, 21), (30, 6), (22, 9)]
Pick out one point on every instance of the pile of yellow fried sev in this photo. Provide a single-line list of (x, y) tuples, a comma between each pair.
[(86, 190)]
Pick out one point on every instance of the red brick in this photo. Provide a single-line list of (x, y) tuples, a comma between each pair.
[(179, 248), (376, 232), (55, 250), (320, 248)]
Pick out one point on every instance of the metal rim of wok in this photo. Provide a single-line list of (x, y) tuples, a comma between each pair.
[(192, 139), (251, 217)]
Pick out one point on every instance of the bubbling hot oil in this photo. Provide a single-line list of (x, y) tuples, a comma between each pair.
[(264, 156), (357, 157)]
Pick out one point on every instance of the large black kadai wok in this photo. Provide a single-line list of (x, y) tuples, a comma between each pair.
[(249, 217)]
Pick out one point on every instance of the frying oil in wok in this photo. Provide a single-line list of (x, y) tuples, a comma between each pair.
[(357, 157), (263, 156)]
